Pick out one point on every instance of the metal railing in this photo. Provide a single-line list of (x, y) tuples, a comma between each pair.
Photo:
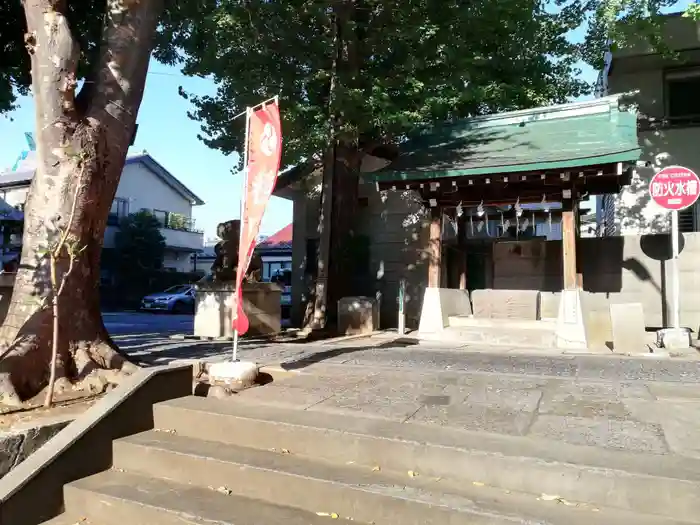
[(175, 221)]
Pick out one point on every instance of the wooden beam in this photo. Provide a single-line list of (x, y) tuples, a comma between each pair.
[(435, 248), (462, 247), (568, 236)]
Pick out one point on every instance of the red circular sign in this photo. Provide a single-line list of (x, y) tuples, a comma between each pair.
[(675, 188)]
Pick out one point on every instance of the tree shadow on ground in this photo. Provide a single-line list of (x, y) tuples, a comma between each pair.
[(330, 353)]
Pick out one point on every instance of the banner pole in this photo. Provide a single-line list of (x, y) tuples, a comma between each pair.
[(275, 98), (239, 296)]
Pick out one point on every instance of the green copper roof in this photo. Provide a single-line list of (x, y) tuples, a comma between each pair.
[(552, 138)]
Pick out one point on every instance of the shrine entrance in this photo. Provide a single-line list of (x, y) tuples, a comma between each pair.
[(503, 195)]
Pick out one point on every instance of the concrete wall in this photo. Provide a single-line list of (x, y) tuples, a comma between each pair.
[(615, 270), (398, 229), (143, 189), (638, 72), (398, 232)]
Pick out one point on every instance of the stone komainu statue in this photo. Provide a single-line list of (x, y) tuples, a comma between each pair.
[(226, 250)]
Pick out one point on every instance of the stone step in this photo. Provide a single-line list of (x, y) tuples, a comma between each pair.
[(532, 337), (120, 498), (469, 321), (363, 494), (648, 484)]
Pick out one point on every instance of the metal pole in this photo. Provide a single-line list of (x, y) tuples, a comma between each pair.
[(239, 296), (402, 300), (275, 98), (675, 281)]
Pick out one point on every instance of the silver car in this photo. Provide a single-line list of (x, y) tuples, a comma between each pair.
[(176, 299)]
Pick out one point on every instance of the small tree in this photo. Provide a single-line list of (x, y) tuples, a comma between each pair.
[(141, 249)]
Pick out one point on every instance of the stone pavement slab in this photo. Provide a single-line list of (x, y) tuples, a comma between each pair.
[(608, 414)]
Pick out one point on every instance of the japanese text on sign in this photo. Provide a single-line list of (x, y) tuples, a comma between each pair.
[(675, 188)]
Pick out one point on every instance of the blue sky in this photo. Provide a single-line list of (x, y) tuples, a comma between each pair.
[(171, 138)]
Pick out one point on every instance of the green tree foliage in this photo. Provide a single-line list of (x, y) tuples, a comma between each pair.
[(399, 64), (415, 57), (141, 249), (15, 77)]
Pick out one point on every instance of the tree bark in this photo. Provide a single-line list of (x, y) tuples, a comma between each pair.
[(82, 141), (341, 185), (343, 214)]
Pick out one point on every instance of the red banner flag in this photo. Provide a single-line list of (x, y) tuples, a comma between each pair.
[(264, 156)]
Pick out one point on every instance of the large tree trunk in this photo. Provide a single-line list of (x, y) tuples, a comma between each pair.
[(342, 222), (82, 142)]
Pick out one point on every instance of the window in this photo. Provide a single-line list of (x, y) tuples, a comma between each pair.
[(119, 210), (681, 93), (120, 207), (688, 219), (162, 216)]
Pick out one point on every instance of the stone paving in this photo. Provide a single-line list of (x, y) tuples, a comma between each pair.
[(639, 416), (649, 405)]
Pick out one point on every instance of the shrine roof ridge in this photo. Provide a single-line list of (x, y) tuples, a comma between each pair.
[(550, 138)]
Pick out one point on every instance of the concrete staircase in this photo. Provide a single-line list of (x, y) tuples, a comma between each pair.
[(235, 461), (469, 330)]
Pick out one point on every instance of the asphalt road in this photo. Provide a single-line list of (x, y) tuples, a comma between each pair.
[(136, 323)]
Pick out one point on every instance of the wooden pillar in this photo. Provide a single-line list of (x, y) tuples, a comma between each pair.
[(568, 238), (435, 248), (462, 246)]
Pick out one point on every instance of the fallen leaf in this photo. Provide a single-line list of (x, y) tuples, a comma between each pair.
[(477, 483), (376, 468), (412, 474)]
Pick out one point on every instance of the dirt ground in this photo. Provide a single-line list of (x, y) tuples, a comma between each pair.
[(61, 409)]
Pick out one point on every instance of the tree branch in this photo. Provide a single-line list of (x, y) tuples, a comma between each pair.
[(129, 29), (54, 54)]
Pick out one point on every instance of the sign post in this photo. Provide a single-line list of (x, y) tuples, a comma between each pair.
[(675, 188), (402, 302)]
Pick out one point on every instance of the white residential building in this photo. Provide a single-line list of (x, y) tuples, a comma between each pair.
[(144, 185), (664, 90)]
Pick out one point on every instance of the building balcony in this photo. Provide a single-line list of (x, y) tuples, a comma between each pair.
[(179, 232), (185, 240)]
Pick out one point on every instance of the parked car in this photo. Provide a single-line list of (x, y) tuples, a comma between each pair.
[(176, 299)]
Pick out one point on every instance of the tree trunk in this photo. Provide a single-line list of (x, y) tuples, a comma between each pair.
[(343, 214), (82, 141)]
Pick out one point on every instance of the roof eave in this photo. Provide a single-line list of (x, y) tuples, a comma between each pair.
[(629, 156)]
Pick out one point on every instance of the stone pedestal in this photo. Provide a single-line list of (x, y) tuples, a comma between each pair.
[(571, 332), (358, 315), (438, 305), (628, 330), (674, 338), (214, 309)]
